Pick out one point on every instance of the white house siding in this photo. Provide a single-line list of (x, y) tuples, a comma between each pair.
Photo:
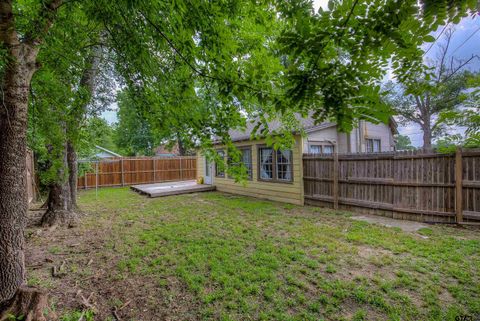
[(379, 131), (357, 137), (326, 135)]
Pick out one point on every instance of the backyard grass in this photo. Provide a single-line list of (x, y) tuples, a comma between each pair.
[(225, 257)]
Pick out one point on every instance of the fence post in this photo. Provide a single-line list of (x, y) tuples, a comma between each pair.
[(154, 173), (458, 185), (335, 180), (96, 179), (85, 177), (181, 170), (123, 175)]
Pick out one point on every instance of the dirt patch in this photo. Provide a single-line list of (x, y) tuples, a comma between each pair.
[(79, 271), (406, 226)]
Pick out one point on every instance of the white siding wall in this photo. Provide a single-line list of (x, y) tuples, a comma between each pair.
[(326, 135), (357, 137), (379, 131)]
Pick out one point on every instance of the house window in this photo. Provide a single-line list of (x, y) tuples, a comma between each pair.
[(245, 159), (275, 165), (320, 149), (219, 170), (266, 163), (373, 145)]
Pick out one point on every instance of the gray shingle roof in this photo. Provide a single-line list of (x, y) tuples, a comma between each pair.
[(308, 124)]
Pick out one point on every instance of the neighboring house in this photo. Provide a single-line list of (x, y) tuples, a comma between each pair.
[(101, 152), (278, 175), (164, 151)]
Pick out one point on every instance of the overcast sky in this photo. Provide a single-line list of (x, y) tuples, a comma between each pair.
[(465, 42)]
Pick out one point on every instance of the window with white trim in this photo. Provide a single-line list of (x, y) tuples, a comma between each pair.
[(373, 145), (320, 148), (275, 165)]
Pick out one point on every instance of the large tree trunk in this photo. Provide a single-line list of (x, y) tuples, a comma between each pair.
[(59, 204), (427, 139), (427, 133), (88, 82), (15, 84), (72, 173), (13, 186)]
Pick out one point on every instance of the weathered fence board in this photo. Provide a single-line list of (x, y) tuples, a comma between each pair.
[(131, 171), (409, 185)]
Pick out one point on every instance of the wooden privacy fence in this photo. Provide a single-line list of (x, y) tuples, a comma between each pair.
[(129, 171), (421, 186)]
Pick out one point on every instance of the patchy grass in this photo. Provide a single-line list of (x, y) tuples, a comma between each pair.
[(219, 256)]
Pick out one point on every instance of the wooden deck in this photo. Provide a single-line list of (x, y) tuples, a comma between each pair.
[(171, 188)]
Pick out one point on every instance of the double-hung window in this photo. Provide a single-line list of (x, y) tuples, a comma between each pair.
[(373, 145), (275, 165)]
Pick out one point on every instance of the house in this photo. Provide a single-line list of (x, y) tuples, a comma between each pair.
[(167, 151), (278, 174), (101, 152)]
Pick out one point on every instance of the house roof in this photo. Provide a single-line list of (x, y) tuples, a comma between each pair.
[(308, 124), (108, 151)]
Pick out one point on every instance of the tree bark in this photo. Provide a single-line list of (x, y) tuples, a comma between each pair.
[(13, 186), (13, 152), (72, 173), (15, 84), (427, 139), (28, 303), (59, 204), (87, 81), (181, 147)]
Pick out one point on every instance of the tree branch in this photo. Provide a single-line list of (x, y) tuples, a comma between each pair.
[(44, 21), (460, 67), (8, 34)]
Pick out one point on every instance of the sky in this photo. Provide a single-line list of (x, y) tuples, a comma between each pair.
[(465, 42)]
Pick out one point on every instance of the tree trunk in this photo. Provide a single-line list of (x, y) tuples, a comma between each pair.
[(87, 82), (72, 173), (181, 147), (427, 133), (13, 171), (427, 139), (15, 85), (28, 303), (59, 204)]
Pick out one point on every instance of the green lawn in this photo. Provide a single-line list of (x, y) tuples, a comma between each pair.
[(226, 257)]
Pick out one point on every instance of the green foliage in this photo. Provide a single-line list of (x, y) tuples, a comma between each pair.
[(87, 315), (403, 142), (133, 134), (467, 117)]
